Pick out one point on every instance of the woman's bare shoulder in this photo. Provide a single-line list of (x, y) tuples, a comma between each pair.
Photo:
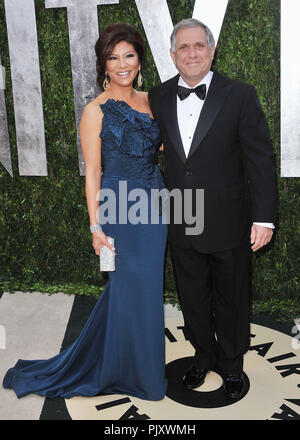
[(143, 95), (93, 109), (145, 103), (91, 117), (101, 99)]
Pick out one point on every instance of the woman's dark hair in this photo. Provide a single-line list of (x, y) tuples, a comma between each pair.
[(112, 35)]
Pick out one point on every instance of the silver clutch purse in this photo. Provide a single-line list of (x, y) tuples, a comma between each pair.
[(107, 257)]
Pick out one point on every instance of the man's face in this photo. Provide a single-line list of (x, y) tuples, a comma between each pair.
[(192, 56)]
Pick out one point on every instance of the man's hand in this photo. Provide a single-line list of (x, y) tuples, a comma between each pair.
[(260, 236)]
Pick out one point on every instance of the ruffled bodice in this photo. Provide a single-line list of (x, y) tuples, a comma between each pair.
[(130, 141)]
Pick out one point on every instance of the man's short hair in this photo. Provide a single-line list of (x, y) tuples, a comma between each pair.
[(191, 23)]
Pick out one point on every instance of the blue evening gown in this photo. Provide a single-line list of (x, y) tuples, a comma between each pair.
[(121, 348)]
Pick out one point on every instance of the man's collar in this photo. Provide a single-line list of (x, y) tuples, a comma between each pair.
[(206, 80)]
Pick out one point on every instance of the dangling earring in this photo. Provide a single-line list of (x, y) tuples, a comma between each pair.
[(140, 78), (106, 84)]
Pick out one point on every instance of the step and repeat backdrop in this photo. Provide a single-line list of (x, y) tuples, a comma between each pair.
[(48, 75)]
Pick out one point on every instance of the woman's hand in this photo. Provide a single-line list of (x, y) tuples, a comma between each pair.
[(99, 240)]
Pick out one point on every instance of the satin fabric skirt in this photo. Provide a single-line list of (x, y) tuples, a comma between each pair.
[(121, 349)]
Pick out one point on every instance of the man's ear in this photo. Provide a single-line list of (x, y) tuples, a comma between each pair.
[(212, 52), (172, 56)]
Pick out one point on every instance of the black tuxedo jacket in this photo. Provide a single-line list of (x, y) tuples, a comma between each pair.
[(231, 158)]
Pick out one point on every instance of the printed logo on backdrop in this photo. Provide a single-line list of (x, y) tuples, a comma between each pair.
[(272, 378), (25, 71)]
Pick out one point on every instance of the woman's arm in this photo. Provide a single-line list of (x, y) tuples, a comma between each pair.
[(90, 128)]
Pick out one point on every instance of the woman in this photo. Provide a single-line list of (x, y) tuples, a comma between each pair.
[(121, 348)]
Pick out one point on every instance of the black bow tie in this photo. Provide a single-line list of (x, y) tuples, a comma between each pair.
[(183, 92)]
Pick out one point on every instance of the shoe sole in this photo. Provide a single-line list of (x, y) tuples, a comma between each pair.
[(232, 396), (195, 386)]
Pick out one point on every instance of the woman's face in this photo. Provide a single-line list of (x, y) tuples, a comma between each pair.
[(123, 64)]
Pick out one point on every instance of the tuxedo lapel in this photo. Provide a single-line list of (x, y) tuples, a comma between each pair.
[(170, 118), (216, 95)]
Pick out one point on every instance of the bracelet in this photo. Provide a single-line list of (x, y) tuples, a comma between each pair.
[(95, 228)]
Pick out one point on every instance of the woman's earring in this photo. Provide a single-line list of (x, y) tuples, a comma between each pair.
[(140, 78), (106, 84)]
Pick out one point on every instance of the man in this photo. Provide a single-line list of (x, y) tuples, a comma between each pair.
[(215, 138)]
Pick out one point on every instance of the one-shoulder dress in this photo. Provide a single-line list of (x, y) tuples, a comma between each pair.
[(121, 349)]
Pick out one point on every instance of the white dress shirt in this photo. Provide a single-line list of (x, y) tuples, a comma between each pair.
[(188, 112)]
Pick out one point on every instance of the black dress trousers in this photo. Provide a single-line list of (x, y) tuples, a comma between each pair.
[(214, 295)]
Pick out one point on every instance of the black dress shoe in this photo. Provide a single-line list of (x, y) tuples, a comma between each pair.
[(234, 385), (194, 377)]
